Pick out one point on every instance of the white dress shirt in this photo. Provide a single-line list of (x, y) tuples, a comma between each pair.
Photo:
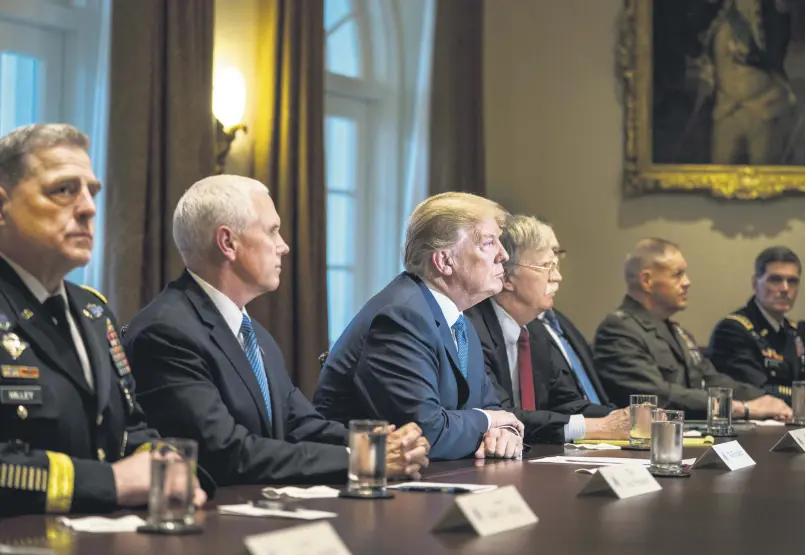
[(575, 429), (41, 294), (451, 313), (233, 315)]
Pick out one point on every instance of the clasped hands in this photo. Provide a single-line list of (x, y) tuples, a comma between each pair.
[(504, 438)]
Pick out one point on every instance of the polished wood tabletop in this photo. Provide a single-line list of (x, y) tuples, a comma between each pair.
[(756, 510)]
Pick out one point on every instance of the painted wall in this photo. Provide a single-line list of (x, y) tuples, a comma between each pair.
[(553, 122)]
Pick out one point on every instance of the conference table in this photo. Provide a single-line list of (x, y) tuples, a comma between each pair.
[(755, 510)]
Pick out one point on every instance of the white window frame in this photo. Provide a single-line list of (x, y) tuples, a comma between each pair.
[(80, 23), (378, 183)]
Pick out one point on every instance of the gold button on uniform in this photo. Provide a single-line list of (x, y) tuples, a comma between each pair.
[(100, 419), (101, 455), (772, 373), (22, 412)]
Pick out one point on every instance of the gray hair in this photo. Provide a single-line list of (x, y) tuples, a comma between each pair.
[(645, 255), (207, 205), (523, 233), (17, 146), (436, 224)]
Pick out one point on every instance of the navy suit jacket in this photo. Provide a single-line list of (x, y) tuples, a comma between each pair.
[(196, 382), (397, 361)]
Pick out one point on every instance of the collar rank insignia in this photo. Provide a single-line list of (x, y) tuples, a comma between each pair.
[(13, 345), (5, 324), (93, 311)]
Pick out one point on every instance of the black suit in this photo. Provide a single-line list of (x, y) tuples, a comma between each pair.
[(195, 381), (556, 395), (582, 349), (55, 430)]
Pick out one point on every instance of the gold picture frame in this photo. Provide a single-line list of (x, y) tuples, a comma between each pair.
[(642, 174)]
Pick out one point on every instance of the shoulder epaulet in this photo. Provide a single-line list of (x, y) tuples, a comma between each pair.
[(743, 320), (95, 292)]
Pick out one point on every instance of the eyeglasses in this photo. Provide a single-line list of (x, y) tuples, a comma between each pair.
[(547, 267)]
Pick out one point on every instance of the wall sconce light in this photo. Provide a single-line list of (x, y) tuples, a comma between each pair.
[(229, 102)]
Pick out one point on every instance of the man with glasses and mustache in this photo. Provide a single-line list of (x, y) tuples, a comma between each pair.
[(639, 349), (757, 344), (517, 353)]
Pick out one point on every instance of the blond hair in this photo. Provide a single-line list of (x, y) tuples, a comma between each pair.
[(437, 222), (523, 233)]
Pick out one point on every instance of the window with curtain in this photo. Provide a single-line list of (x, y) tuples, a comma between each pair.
[(53, 65), (375, 52)]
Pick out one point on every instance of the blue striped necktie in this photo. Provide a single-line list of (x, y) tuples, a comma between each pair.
[(460, 329), (252, 351), (573, 357)]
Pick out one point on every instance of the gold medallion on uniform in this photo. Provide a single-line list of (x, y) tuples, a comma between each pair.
[(13, 345)]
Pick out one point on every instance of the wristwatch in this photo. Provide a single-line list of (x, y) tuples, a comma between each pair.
[(746, 410)]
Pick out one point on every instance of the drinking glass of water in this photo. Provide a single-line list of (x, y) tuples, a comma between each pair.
[(366, 476), (798, 403), (641, 419), (173, 479), (720, 411), (666, 451)]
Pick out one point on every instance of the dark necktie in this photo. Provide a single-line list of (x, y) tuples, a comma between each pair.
[(252, 351), (525, 376), (460, 329), (56, 308), (576, 363)]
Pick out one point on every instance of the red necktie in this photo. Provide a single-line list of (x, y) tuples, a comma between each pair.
[(525, 376)]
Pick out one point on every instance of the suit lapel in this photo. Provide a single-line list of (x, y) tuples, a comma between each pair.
[(36, 326), (444, 330), (501, 367), (97, 345), (277, 417), (223, 337)]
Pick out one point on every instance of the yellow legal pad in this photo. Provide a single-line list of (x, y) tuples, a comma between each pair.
[(706, 441)]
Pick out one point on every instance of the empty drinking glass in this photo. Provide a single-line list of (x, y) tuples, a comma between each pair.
[(720, 411), (798, 403), (641, 419), (173, 481), (666, 452)]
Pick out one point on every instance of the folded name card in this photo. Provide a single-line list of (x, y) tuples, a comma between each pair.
[(488, 513), (728, 455), (792, 441), (319, 538), (624, 480)]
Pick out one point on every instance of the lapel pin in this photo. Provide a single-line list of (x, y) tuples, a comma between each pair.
[(14, 345), (27, 313)]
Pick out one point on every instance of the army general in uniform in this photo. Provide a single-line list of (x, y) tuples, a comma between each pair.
[(70, 425), (757, 344)]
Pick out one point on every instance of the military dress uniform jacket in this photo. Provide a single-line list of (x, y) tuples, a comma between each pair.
[(637, 352), (57, 435), (745, 346)]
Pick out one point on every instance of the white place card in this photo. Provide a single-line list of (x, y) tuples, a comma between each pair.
[(319, 538), (624, 480), (794, 440), (728, 455), (488, 513)]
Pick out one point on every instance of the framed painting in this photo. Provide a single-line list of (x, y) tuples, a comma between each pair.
[(713, 97)]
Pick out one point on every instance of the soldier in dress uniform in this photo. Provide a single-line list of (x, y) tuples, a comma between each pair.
[(640, 349), (757, 344), (72, 436)]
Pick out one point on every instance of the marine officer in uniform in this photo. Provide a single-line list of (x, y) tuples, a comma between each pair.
[(72, 437), (639, 349), (757, 344)]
